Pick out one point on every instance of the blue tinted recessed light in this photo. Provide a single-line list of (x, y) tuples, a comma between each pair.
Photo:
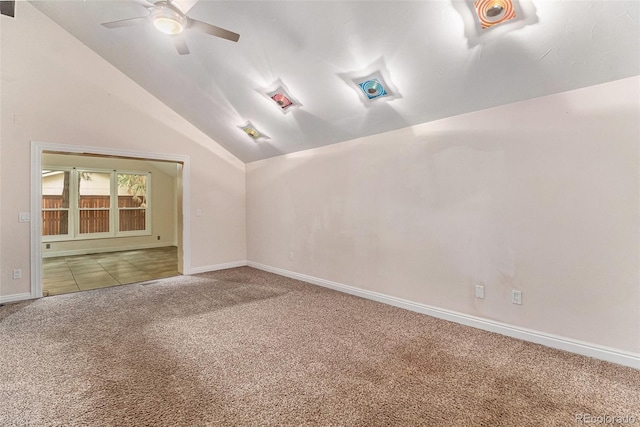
[(372, 88)]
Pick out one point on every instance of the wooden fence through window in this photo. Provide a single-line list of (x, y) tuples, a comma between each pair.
[(93, 217)]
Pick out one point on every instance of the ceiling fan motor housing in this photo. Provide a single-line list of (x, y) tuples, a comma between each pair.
[(168, 18)]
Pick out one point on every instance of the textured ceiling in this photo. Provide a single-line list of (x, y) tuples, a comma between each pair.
[(438, 63)]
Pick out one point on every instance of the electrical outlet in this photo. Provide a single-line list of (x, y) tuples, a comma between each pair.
[(516, 297), (48, 246), (479, 291), (17, 273)]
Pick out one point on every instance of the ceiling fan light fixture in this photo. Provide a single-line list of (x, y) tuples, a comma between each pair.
[(168, 26), (494, 12), (167, 19)]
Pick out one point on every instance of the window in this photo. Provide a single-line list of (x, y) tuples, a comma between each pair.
[(55, 202), (81, 204), (132, 206), (94, 202)]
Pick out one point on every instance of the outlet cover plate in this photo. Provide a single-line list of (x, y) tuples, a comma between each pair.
[(516, 297)]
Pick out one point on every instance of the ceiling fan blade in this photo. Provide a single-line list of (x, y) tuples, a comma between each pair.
[(203, 27), (125, 22), (8, 8), (181, 45)]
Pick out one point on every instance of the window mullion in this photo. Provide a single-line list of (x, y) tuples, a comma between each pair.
[(147, 199), (114, 204), (74, 204)]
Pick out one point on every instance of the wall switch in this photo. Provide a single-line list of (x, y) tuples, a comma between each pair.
[(48, 246), (158, 237), (17, 273), (516, 297), (24, 217), (198, 212), (291, 255), (479, 291)]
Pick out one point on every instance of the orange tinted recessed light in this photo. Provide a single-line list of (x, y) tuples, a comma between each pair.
[(494, 12)]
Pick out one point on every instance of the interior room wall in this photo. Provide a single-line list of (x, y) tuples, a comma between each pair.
[(55, 89), (161, 203), (540, 196)]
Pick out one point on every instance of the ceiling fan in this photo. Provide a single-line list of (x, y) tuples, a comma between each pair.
[(168, 17)]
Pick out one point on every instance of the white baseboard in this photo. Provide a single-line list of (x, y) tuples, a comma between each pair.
[(562, 343), (15, 298), (216, 267), (71, 252)]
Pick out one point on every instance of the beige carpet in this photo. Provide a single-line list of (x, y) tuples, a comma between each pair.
[(245, 347)]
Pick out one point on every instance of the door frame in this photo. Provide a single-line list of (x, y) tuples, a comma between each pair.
[(183, 221)]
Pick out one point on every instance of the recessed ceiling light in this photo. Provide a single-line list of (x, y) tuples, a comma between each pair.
[(282, 100), (487, 20), (494, 12), (280, 96), (253, 132), (372, 88), (372, 84)]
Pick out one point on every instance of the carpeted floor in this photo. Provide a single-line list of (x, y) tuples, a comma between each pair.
[(245, 347)]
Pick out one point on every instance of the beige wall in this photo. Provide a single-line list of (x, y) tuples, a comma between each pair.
[(540, 196), (162, 203), (54, 89)]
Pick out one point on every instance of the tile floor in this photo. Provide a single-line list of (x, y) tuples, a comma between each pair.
[(62, 275)]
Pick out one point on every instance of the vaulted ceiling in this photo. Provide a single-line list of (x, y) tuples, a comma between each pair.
[(435, 58)]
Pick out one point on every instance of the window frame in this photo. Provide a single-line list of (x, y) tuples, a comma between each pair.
[(147, 208), (114, 211), (70, 217), (77, 209)]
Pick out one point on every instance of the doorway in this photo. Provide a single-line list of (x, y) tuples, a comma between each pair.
[(108, 240)]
